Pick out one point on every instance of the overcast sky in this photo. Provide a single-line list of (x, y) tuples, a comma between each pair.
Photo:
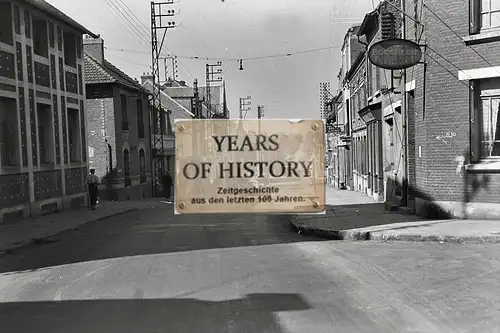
[(287, 86)]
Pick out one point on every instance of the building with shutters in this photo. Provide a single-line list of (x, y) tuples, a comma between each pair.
[(119, 139), (43, 150)]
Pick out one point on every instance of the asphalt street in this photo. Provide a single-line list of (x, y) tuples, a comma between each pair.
[(151, 271)]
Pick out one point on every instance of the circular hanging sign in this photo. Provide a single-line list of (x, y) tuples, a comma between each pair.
[(395, 54)]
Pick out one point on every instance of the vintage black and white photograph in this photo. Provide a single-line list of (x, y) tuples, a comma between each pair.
[(249, 166)]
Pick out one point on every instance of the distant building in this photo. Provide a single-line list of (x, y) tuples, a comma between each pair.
[(43, 154), (170, 111), (340, 130), (118, 134)]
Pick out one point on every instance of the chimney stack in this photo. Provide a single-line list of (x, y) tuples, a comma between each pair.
[(145, 77), (94, 47)]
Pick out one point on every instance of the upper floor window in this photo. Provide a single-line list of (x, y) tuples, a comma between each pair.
[(140, 119), (40, 37), (6, 31), (69, 49), (123, 106), (484, 15)]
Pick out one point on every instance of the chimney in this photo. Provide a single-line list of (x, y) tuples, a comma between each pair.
[(145, 77), (94, 47)]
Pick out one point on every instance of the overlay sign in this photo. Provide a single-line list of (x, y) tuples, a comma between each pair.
[(249, 166)]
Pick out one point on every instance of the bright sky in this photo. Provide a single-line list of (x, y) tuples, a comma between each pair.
[(288, 87)]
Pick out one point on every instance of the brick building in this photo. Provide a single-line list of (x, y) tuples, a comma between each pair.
[(454, 127), (118, 127), (341, 124), (381, 115), (449, 151), (42, 112)]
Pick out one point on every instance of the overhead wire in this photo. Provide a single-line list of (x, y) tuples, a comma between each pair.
[(460, 37), (132, 20), (241, 58)]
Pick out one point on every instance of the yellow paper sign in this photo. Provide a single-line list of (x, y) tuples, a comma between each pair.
[(249, 166)]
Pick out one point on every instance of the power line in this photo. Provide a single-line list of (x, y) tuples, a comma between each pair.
[(134, 25), (232, 59), (456, 34)]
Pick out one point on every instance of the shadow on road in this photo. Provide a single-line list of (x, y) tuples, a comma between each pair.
[(152, 231), (254, 313)]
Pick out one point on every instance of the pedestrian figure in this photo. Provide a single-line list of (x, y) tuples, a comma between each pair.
[(167, 185), (93, 183)]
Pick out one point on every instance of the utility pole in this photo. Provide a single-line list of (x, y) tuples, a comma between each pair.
[(195, 102), (260, 115), (260, 111), (175, 70), (157, 27), (245, 106), (210, 78)]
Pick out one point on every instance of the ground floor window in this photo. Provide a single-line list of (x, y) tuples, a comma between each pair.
[(142, 166), (486, 124), (126, 167)]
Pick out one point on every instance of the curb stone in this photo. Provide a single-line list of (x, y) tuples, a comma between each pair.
[(47, 239), (354, 235)]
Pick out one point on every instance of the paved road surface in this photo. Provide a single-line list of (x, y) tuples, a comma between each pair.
[(151, 272)]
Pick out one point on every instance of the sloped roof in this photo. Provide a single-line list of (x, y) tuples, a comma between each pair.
[(168, 103), (97, 73), (56, 13)]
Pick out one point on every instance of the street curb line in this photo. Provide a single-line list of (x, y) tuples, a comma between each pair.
[(35, 240), (353, 235)]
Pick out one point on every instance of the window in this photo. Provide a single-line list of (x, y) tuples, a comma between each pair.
[(69, 49), (485, 124), (45, 133), (17, 19), (40, 37), (484, 15), (140, 119), (27, 24), (126, 167), (9, 148), (51, 35), (490, 126), (142, 166), (163, 122), (6, 31), (123, 106), (170, 130), (74, 135)]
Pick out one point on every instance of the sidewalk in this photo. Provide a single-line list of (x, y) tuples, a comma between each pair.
[(32, 230), (354, 216)]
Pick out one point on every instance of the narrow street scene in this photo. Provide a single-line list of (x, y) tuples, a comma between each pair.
[(384, 215), (148, 270)]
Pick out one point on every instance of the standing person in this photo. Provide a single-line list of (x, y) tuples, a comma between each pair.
[(167, 185), (93, 183)]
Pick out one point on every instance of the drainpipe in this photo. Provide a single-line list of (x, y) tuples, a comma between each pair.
[(404, 111)]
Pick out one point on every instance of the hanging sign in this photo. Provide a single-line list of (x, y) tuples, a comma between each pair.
[(395, 54), (249, 166)]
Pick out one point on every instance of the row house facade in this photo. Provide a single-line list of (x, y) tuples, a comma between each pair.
[(339, 117), (449, 150), (454, 123), (119, 140), (43, 157)]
